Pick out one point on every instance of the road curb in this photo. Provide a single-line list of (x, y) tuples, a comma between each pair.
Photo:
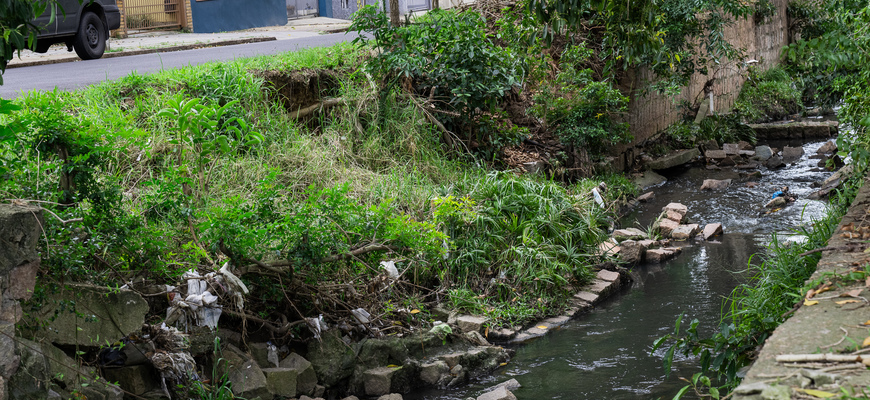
[(147, 51)]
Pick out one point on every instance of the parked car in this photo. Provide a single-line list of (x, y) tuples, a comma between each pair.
[(82, 25)]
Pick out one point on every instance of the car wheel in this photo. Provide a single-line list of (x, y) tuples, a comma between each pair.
[(91, 38)]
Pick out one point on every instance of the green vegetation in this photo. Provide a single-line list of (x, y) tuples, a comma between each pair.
[(151, 176), (17, 31), (582, 111), (761, 304), (674, 38), (148, 177), (726, 128), (769, 96), (827, 64)]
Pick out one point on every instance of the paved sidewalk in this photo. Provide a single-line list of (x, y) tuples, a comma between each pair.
[(153, 42), (835, 322)]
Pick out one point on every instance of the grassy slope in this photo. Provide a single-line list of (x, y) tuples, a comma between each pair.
[(370, 171)]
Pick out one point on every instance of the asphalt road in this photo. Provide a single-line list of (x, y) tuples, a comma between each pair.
[(79, 74)]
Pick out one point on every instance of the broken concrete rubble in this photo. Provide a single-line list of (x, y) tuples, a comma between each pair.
[(685, 232), (715, 184)]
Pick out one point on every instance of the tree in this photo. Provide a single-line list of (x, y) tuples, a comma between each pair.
[(394, 13)]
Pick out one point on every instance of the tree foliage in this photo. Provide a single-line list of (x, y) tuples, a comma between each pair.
[(17, 30), (674, 38)]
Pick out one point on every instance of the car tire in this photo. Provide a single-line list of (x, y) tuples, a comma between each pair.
[(90, 42)]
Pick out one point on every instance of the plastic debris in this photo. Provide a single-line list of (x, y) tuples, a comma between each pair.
[(441, 329), (272, 354), (390, 267), (177, 368), (201, 305), (317, 326), (361, 315), (597, 196)]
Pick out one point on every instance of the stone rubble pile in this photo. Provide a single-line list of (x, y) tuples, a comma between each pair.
[(634, 246)]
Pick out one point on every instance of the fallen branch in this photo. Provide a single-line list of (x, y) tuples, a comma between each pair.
[(277, 265), (323, 104), (845, 335), (843, 367), (449, 137), (278, 330), (826, 357)]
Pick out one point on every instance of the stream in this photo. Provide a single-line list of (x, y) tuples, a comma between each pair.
[(605, 354)]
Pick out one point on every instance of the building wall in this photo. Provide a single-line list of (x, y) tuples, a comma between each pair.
[(342, 9), (651, 114), (231, 15)]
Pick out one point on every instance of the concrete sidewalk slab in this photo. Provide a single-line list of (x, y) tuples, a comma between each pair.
[(826, 326)]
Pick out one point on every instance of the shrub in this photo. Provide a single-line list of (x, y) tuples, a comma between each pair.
[(581, 111), (447, 57), (769, 96)]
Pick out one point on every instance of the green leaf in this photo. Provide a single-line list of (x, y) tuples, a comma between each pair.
[(668, 361), (677, 327), (682, 392), (714, 392), (658, 342)]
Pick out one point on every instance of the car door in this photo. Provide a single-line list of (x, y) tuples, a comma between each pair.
[(68, 18), (42, 21)]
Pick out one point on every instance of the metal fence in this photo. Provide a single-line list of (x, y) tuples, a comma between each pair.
[(153, 14), (302, 9)]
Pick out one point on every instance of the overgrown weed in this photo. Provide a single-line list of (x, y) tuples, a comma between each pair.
[(370, 171)]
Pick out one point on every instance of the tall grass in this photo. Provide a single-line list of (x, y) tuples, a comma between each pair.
[(370, 169)]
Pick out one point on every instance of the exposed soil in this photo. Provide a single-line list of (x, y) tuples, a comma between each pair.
[(300, 88)]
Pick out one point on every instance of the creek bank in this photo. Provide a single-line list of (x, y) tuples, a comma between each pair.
[(155, 362), (822, 322)]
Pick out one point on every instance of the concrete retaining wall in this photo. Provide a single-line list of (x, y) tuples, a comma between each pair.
[(651, 114), (19, 262)]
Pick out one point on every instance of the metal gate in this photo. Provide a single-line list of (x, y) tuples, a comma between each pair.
[(418, 5), (302, 9), (153, 14)]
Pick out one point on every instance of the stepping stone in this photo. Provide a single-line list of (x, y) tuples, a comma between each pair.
[(599, 287), (646, 197), (715, 154), (609, 276), (590, 298), (667, 226), (628, 233), (630, 252), (763, 152), (684, 232), (715, 184), (711, 230), (731, 149), (677, 207), (792, 154), (657, 256)]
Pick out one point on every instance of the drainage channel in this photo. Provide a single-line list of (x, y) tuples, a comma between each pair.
[(606, 353)]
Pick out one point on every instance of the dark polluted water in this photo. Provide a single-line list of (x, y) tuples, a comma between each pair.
[(606, 354)]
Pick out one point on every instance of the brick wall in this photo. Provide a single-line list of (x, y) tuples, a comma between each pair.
[(651, 114)]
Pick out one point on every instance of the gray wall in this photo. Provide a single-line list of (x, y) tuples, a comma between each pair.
[(337, 9), (232, 15)]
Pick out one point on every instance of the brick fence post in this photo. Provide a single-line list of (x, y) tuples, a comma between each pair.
[(121, 32)]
